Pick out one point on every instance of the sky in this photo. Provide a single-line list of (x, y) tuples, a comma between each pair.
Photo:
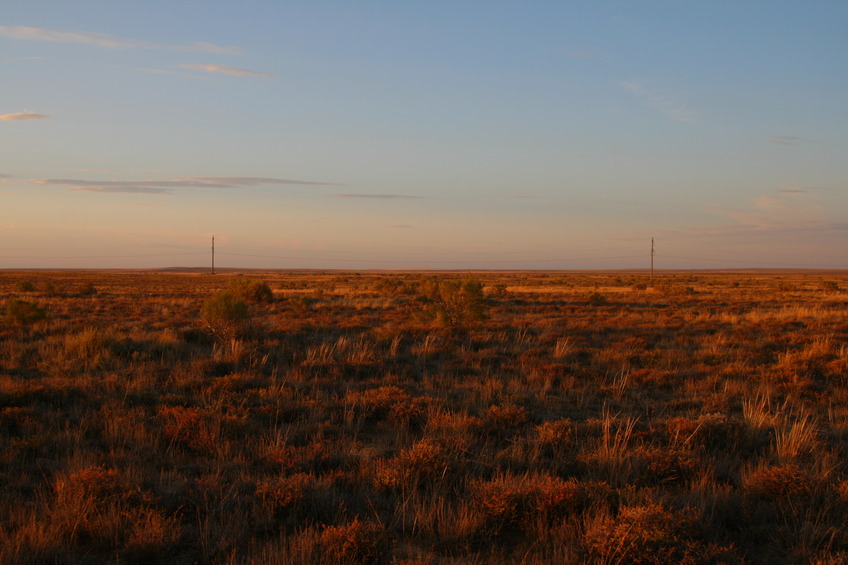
[(424, 134)]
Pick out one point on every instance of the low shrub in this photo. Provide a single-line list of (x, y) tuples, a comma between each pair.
[(20, 312), (251, 290), (453, 303), (509, 501), (226, 315), (595, 298), (645, 534), (87, 289), (355, 542), (426, 460), (25, 286), (779, 482), (393, 286), (499, 291), (279, 494), (555, 436)]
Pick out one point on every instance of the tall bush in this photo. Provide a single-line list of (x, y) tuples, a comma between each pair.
[(251, 290), (453, 303), (226, 315)]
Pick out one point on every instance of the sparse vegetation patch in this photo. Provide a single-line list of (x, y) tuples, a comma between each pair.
[(330, 418)]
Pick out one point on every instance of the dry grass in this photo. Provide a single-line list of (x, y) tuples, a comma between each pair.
[(367, 418)]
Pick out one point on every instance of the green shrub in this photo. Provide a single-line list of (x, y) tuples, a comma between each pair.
[(831, 286), (251, 290), (595, 298), (25, 286), (226, 315), (453, 303), (394, 286), (498, 290), (302, 303), (50, 288), (670, 288), (87, 289), (21, 312)]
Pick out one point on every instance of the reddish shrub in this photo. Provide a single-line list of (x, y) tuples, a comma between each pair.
[(424, 460), (663, 466), (503, 420), (190, 427), (355, 542), (314, 457), (378, 403), (282, 492), (556, 435), (773, 483), (648, 534), (503, 501), (512, 500)]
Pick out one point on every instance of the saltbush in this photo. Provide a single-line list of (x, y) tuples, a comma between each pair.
[(21, 313), (251, 290), (453, 303), (226, 315)]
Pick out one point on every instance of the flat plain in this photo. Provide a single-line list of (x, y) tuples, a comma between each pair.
[(375, 417)]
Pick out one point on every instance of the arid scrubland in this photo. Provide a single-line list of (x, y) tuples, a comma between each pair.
[(412, 418)]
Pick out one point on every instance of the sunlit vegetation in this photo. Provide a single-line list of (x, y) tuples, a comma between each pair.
[(335, 418)]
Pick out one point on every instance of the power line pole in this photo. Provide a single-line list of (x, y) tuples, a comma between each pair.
[(652, 258), (213, 254)]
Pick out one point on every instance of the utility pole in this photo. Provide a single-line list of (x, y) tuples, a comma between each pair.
[(213, 254), (652, 258)]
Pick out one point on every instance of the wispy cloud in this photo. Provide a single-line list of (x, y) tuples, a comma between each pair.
[(375, 196), (171, 185), (672, 109), (103, 40), (786, 140), (786, 209), (165, 72), (16, 59), (223, 69), (206, 47), (251, 181), (523, 195), (23, 116)]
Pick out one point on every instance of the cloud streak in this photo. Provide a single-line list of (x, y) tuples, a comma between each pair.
[(104, 40), (786, 140), (23, 116), (376, 196), (675, 111), (171, 185), (223, 69), (786, 210)]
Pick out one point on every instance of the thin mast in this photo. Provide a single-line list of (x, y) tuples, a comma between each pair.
[(652, 257)]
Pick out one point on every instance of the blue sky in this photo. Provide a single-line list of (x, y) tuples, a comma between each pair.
[(424, 134)]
